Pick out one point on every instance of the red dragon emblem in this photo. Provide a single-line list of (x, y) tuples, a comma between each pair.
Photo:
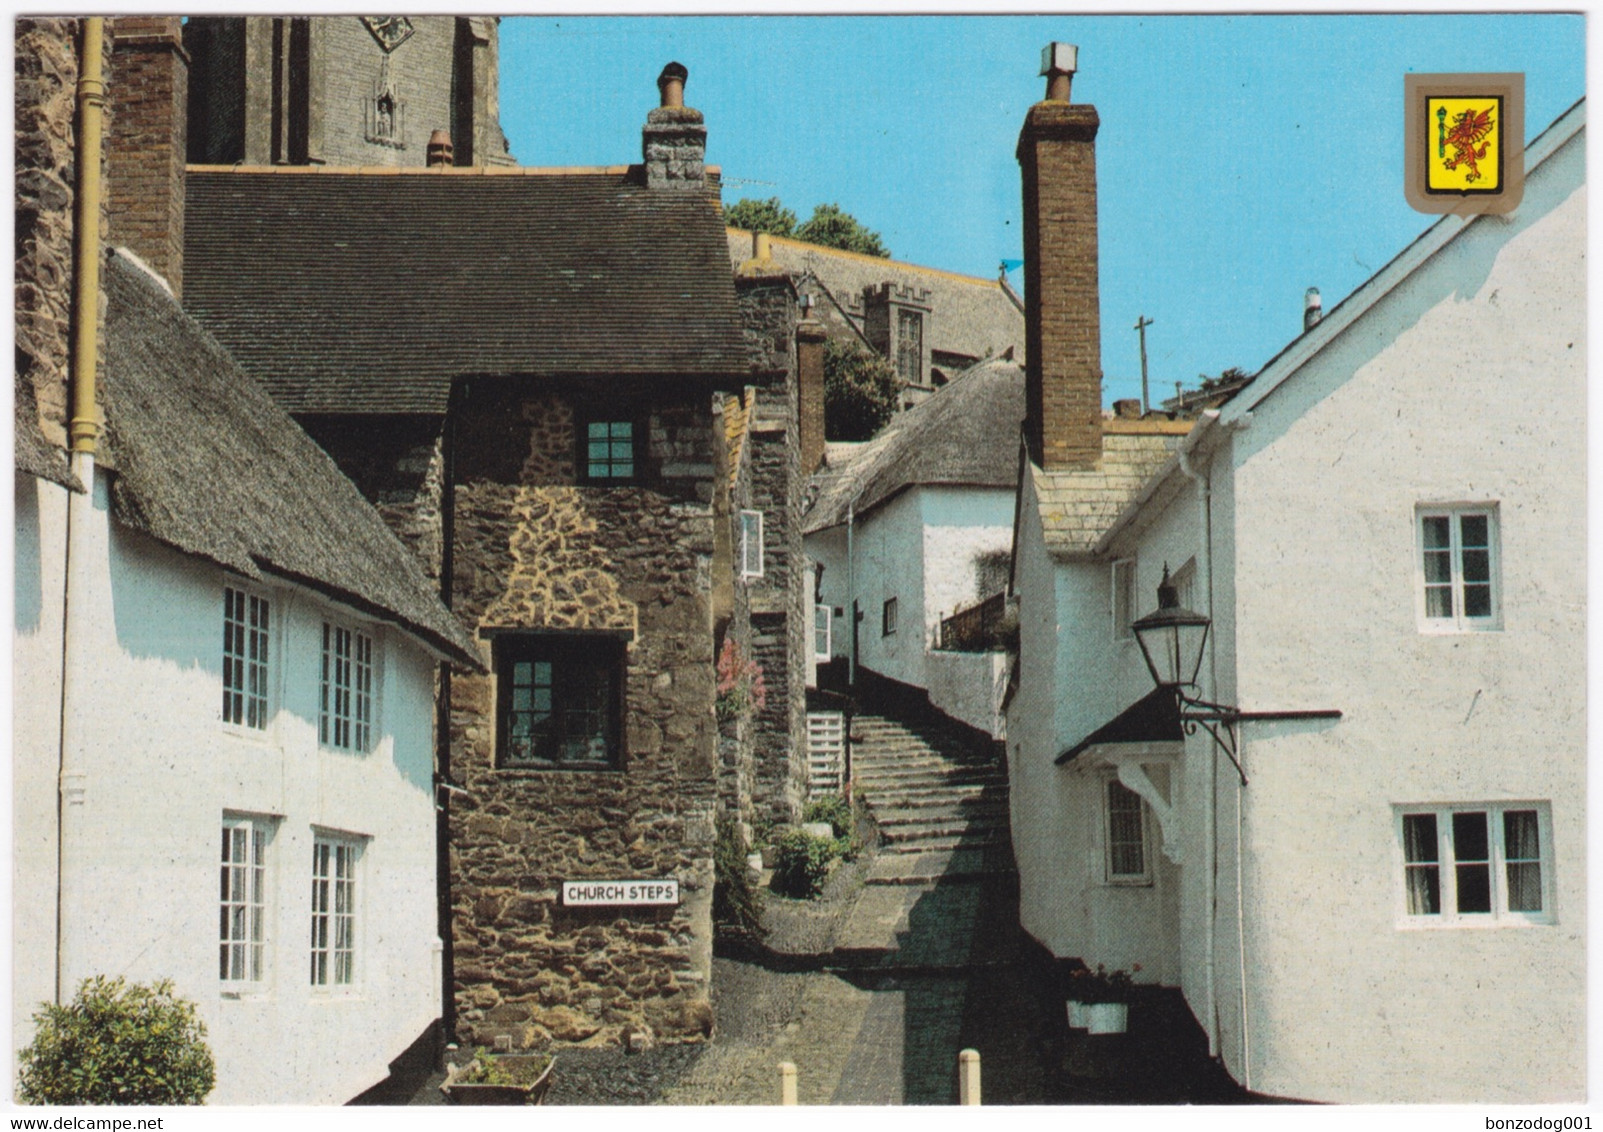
[(1467, 135)]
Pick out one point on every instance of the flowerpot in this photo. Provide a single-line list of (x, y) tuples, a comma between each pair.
[(1077, 1015), (479, 1093), (1107, 1017)]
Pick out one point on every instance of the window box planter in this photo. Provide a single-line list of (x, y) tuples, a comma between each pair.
[(503, 1079)]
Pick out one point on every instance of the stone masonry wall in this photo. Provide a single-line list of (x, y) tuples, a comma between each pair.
[(46, 68), (536, 550), (771, 483)]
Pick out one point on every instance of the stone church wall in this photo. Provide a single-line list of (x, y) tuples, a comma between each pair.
[(537, 550)]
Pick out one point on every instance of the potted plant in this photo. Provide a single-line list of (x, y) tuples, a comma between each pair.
[(506, 1078), (1099, 1001)]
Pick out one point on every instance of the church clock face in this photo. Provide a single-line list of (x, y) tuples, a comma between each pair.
[(390, 31)]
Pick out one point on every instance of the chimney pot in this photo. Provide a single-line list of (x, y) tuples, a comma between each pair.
[(671, 84), (1059, 62), (1312, 309), (761, 249), (440, 151)]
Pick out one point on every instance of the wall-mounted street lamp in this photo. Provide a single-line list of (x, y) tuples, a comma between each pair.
[(1172, 640)]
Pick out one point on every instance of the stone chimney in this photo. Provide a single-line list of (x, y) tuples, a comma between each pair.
[(1312, 309), (148, 88), (1062, 317), (810, 337), (674, 141)]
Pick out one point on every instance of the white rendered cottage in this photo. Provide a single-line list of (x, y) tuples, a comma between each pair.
[(1389, 522), (911, 527), (242, 732)]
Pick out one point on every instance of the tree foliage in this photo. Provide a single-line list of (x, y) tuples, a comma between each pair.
[(769, 216), (117, 1043), (859, 391), (833, 227)]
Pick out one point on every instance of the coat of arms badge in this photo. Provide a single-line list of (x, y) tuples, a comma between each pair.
[(1465, 142)]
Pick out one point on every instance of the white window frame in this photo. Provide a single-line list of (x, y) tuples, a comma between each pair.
[(1455, 513), (751, 544), (244, 946), (823, 632), (1106, 784), (347, 700), (336, 912), (1447, 863), (247, 660), (1121, 587)]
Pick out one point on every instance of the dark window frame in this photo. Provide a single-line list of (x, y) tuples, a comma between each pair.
[(577, 660), (638, 435), (887, 617)]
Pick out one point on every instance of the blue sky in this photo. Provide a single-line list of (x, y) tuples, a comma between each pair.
[(1241, 159)]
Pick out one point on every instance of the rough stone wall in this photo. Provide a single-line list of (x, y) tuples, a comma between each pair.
[(46, 67), (736, 734), (771, 483), (398, 464), (1063, 367), (534, 549), (149, 83)]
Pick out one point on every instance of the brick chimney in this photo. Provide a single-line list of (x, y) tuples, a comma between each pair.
[(674, 141), (1062, 317), (148, 89)]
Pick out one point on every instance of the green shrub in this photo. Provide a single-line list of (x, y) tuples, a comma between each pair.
[(801, 864), (836, 811), (117, 1044), (734, 901)]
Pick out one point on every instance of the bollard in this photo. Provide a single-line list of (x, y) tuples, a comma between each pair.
[(968, 1077), (787, 1082)]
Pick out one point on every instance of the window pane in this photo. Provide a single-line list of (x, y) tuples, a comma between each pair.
[(1419, 838), (1437, 532), (1470, 838), (1474, 888), (1126, 854), (1521, 841), (1472, 531), (1438, 567), (1424, 890), (1525, 887), (1438, 601), (1477, 601), (1477, 566), (598, 429)]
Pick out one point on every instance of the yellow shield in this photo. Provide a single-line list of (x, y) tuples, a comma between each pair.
[(1464, 137)]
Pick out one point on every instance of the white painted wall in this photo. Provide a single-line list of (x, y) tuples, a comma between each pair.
[(968, 687), (161, 771), (1465, 384)]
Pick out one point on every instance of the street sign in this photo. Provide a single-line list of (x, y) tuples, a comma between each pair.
[(582, 893)]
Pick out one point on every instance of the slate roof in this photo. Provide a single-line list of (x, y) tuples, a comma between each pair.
[(969, 316), (1154, 718), (1077, 507), (966, 433), (347, 291), (207, 463)]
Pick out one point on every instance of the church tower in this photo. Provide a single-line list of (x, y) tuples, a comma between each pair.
[(342, 90)]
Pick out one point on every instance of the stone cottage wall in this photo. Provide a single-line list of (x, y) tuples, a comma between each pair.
[(46, 65), (771, 483), (536, 550)]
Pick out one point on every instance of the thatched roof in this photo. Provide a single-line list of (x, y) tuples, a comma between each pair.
[(207, 463), (33, 454), (361, 292), (966, 434), (969, 316)]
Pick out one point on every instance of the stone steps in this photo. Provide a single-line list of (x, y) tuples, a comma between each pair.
[(931, 793)]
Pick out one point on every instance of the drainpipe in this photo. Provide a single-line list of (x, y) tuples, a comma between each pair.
[(83, 433), (1210, 863)]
